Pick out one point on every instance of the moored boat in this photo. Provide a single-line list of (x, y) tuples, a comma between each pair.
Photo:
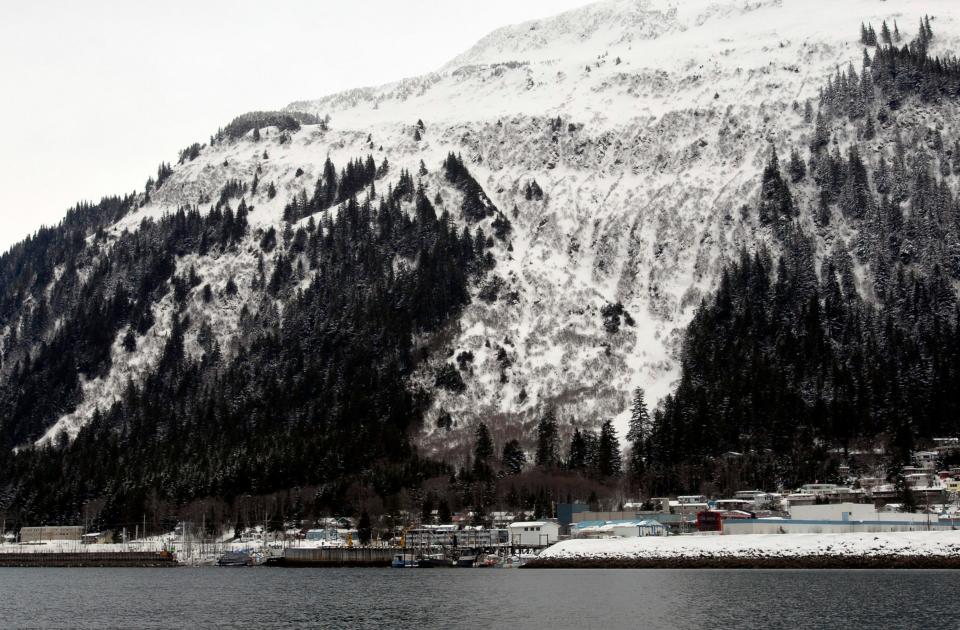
[(433, 562), (403, 561), (236, 559), (466, 561)]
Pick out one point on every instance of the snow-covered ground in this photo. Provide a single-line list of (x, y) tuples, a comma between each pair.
[(926, 544)]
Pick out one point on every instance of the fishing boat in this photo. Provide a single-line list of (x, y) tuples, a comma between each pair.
[(433, 561), (236, 559), (466, 561)]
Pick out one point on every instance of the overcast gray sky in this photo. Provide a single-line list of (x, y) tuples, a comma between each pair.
[(96, 93)]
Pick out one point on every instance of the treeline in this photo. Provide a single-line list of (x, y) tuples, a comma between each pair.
[(909, 70), (283, 121), (787, 366)]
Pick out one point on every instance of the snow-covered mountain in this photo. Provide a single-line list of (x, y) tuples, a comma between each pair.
[(645, 123)]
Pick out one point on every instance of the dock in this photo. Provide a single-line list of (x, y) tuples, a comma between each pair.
[(336, 557), (88, 559)]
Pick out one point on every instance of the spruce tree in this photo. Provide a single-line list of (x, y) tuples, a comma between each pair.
[(776, 203), (483, 445), (548, 439), (885, 36), (639, 418), (577, 457), (608, 451)]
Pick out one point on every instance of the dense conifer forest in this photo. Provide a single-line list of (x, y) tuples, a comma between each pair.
[(798, 356)]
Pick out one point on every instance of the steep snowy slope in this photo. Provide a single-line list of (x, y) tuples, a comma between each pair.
[(667, 110), (646, 124)]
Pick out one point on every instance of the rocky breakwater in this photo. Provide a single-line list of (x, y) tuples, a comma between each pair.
[(893, 550)]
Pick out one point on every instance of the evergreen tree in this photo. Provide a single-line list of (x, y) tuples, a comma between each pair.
[(797, 167), (483, 447), (869, 129), (513, 458), (608, 456), (885, 35), (577, 458), (776, 203), (639, 418), (548, 439), (444, 515), (821, 135)]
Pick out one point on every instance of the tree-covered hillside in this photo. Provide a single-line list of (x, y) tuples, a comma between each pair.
[(835, 342), (318, 390)]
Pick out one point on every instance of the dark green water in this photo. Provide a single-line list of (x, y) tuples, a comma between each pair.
[(478, 598)]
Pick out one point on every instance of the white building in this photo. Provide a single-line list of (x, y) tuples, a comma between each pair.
[(534, 533), (924, 480), (836, 518), (622, 529), (851, 512), (926, 459), (819, 489)]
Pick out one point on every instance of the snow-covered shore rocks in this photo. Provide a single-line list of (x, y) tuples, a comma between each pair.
[(932, 549)]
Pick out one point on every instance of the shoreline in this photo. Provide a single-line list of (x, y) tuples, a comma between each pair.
[(899, 562), (862, 550)]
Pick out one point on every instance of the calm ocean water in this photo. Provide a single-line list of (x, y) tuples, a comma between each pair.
[(477, 598)]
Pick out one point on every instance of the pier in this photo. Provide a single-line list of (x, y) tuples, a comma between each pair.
[(88, 559), (336, 557)]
